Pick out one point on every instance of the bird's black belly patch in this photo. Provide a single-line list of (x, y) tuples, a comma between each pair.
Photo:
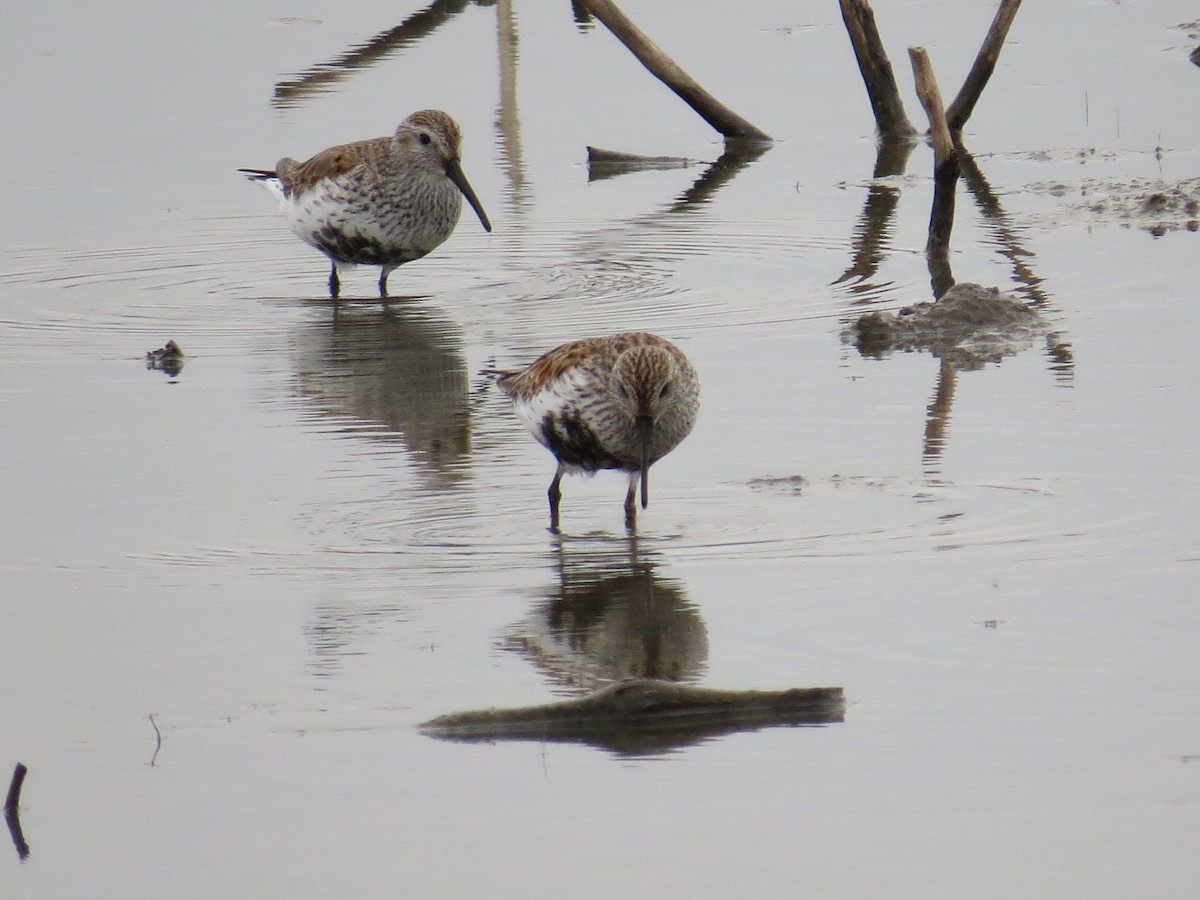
[(352, 248), (575, 444)]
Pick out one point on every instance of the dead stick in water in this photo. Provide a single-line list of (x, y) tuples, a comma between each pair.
[(12, 815), (665, 69), (985, 63), (14, 789), (945, 173), (876, 69), (931, 100)]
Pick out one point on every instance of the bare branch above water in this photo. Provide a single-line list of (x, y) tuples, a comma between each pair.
[(985, 63), (876, 69), (666, 70)]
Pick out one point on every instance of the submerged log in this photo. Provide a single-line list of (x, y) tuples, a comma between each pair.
[(606, 163), (666, 70), (644, 715)]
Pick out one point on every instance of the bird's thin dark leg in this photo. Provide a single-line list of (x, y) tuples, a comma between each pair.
[(555, 495), (383, 277), (335, 285), (631, 506)]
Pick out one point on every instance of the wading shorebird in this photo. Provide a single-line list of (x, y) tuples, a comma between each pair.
[(618, 402), (380, 202)]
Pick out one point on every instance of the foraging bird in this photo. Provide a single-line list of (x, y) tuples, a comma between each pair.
[(618, 402), (382, 202)]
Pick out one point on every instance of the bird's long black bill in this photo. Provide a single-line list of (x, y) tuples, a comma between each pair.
[(455, 173), (643, 426)]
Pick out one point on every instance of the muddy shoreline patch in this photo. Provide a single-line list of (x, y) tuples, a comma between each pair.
[(1154, 205)]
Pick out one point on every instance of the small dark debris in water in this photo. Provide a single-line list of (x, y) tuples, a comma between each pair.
[(1156, 202), (791, 484), (167, 358)]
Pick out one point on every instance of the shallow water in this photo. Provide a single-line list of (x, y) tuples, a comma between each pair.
[(323, 532)]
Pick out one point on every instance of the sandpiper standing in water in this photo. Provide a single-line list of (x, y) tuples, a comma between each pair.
[(618, 402), (381, 202)]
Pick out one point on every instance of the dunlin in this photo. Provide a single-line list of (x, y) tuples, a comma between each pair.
[(618, 402), (381, 202)]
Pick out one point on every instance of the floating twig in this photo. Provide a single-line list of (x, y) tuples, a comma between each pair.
[(666, 70)]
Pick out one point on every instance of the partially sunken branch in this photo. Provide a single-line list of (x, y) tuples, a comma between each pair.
[(715, 113)]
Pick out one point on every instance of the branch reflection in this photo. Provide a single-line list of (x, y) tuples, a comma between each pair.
[(321, 77), (966, 326), (873, 233)]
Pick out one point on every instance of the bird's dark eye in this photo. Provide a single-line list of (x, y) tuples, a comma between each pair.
[(425, 139), (664, 392)]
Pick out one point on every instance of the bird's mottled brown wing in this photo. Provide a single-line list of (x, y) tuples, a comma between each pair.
[(331, 163), (547, 367), (554, 363)]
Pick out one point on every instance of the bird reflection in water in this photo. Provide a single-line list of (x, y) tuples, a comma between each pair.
[(627, 644), (397, 374), (611, 616)]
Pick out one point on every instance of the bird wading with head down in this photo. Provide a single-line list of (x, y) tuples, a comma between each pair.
[(619, 402), (381, 202)]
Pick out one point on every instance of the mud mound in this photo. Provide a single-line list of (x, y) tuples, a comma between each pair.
[(970, 326)]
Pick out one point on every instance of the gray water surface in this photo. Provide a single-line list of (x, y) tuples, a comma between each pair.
[(323, 532)]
